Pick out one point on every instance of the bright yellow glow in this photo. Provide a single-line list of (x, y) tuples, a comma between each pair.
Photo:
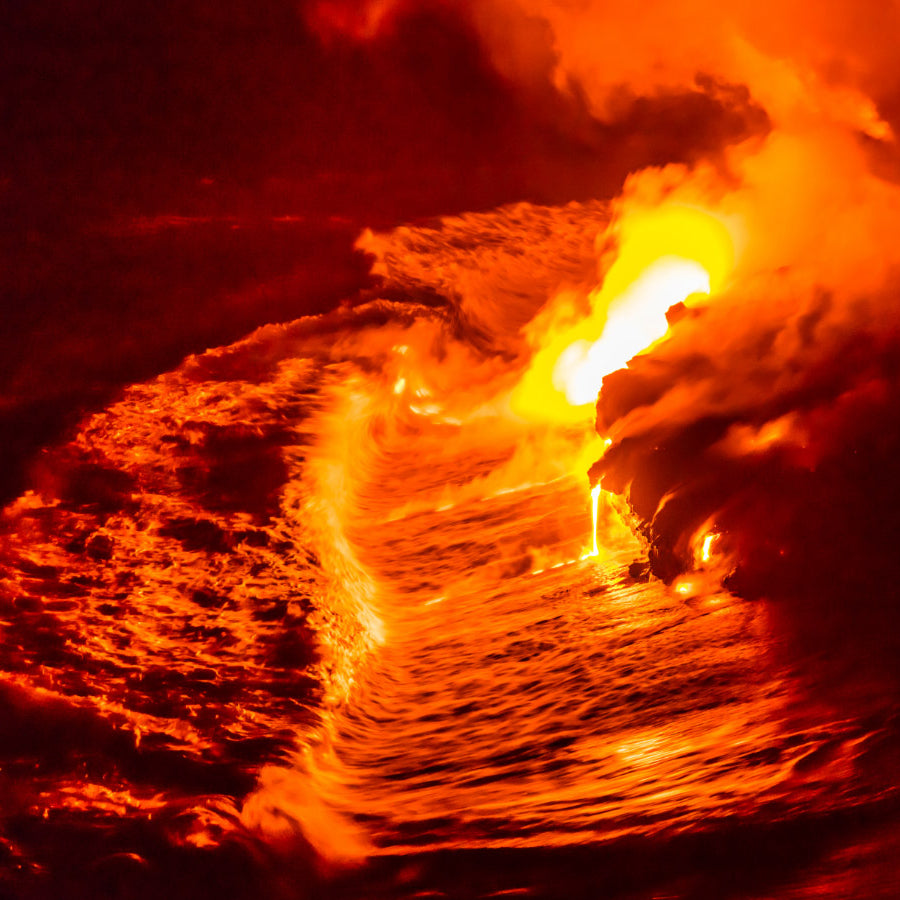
[(595, 502), (595, 514), (666, 256), (635, 321), (673, 230), (705, 549)]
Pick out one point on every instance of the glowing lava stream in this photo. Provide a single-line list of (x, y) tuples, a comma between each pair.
[(674, 254), (510, 709), (522, 701), (595, 503), (636, 320), (670, 255)]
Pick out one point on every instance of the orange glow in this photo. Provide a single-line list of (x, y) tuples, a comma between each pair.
[(324, 600), (745, 440), (672, 254), (707, 546), (707, 552)]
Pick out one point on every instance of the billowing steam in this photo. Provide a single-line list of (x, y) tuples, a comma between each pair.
[(755, 435)]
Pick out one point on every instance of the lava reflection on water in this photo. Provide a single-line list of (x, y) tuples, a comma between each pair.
[(272, 612)]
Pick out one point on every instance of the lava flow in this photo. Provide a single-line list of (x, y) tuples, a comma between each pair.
[(558, 561)]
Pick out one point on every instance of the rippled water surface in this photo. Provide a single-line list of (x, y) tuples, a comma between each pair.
[(295, 620), (570, 705)]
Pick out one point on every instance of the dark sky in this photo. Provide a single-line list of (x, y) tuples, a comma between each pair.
[(192, 105), (130, 107)]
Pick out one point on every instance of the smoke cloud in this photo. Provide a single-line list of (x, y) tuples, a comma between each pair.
[(767, 416)]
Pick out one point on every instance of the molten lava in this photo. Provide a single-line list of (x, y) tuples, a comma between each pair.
[(636, 320), (674, 254), (313, 614), (595, 504)]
